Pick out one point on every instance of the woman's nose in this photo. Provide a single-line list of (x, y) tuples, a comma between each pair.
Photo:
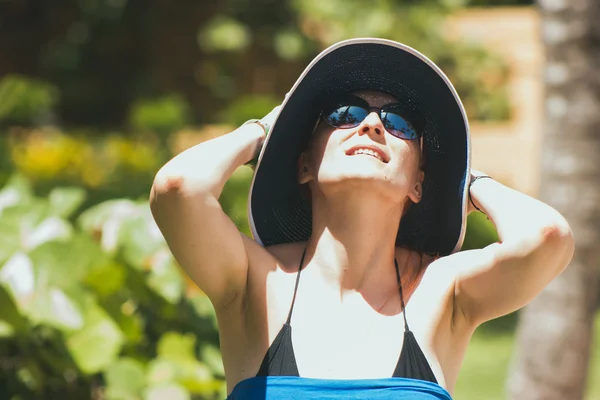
[(371, 124)]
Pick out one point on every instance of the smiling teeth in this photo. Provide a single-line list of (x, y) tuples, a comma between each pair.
[(368, 152)]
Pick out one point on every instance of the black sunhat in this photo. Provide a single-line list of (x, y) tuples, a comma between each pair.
[(277, 210)]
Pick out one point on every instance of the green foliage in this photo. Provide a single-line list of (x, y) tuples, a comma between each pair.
[(24, 100), (116, 56), (97, 302), (234, 198), (290, 45), (499, 3), (107, 167), (480, 79), (480, 232), (162, 115), (247, 107), (485, 368), (92, 303), (478, 75), (224, 34)]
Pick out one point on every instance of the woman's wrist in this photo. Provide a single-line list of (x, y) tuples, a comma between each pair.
[(263, 125), (258, 133), (476, 178)]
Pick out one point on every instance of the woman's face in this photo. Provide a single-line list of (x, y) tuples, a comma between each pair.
[(339, 157)]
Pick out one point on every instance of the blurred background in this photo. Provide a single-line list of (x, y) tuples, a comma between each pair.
[(96, 95)]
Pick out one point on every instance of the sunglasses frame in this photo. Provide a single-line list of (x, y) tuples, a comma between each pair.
[(355, 101)]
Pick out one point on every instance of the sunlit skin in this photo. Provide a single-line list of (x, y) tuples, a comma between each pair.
[(358, 200), (328, 162), (347, 319)]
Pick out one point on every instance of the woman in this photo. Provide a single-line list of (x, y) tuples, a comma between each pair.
[(357, 207)]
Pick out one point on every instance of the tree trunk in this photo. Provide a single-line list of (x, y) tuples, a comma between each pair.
[(555, 331)]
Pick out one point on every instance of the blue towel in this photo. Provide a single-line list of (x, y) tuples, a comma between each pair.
[(292, 387)]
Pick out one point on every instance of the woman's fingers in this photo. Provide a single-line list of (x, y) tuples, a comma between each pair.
[(269, 119)]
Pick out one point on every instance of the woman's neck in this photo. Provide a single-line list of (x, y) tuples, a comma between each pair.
[(353, 241)]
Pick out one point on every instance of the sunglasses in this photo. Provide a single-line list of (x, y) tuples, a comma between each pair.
[(351, 111)]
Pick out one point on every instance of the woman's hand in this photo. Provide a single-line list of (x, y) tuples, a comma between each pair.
[(269, 119)]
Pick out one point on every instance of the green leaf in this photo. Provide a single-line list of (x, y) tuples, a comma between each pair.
[(125, 380), (106, 219), (23, 228), (65, 264), (36, 298), (212, 358), (65, 201), (166, 278), (10, 232), (106, 278), (176, 347), (6, 329), (50, 229), (17, 191), (97, 345), (54, 307), (19, 223), (124, 314), (11, 319), (140, 239), (161, 372), (171, 392), (195, 376), (17, 276), (202, 305), (178, 350)]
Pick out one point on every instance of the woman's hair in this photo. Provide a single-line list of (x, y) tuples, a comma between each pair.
[(411, 281)]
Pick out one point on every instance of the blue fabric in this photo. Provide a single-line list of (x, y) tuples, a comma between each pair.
[(292, 387)]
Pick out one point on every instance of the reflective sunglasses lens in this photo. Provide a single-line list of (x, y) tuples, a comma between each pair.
[(398, 126), (346, 116)]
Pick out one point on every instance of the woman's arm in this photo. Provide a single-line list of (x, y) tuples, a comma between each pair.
[(536, 244), (184, 203)]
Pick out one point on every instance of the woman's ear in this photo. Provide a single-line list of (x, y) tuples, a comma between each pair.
[(416, 193), (304, 175)]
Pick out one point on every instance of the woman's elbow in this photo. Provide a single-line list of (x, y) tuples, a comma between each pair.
[(548, 240), (557, 239), (558, 231), (177, 184), (165, 188), (167, 182)]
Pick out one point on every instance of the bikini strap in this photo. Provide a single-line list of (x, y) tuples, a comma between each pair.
[(401, 296), (289, 318)]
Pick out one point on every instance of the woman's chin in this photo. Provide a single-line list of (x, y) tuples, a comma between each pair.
[(362, 180), (367, 171), (362, 187)]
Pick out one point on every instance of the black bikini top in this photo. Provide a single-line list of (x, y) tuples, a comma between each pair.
[(280, 360)]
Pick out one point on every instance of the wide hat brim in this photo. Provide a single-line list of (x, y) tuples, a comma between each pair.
[(279, 213)]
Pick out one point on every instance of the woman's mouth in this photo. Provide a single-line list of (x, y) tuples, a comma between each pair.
[(376, 153)]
